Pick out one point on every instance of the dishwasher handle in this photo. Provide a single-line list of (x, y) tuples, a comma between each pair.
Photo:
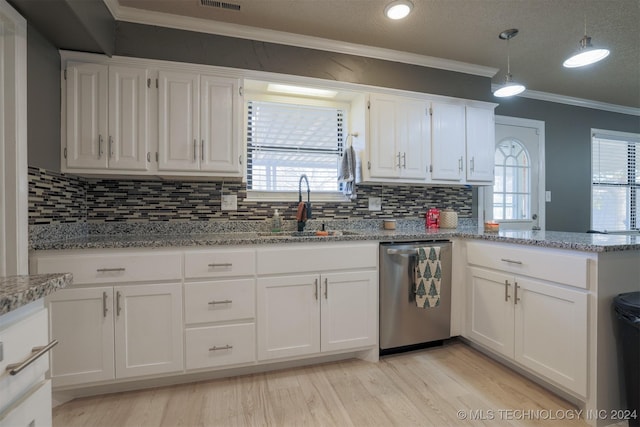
[(406, 252)]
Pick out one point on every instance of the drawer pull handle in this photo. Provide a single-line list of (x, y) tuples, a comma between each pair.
[(226, 347), (36, 353), (223, 264), (214, 302), (109, 270), (511, 261)]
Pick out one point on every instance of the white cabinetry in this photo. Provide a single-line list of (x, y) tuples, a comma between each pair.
[(480, 145), (220, 307), (327, 302), (521, 306), (25, 395), (106, 117), (199, 123), (447, 142), (119, 330), (399, 139)]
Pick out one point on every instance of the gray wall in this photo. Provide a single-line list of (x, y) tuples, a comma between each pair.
[(43, 102), (568, 154)]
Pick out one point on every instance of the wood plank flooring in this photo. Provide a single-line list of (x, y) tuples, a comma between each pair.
[(423, 388)]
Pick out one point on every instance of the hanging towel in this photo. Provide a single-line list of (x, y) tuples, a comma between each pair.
[(348, 173), (301, 215), (428, 276)]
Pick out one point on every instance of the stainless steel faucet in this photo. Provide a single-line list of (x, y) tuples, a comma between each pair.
[(301, 224)]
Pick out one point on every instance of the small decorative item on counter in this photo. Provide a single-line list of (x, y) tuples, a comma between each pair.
[(276, 222), (448, 218), (491, 227), (432, 218), (389, 224)]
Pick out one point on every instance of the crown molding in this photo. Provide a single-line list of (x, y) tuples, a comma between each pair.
[(578, 102), (138, 16)]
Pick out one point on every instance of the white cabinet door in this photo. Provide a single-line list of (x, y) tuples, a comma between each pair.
[(82, 322), (480, 132), (87, 127), (288, 316), (219, 112), (490, 310), (551, 332), (383, 152), (447, 142), (128, 118), (414, 128), (349, 310), (179, 121), (148, 329)]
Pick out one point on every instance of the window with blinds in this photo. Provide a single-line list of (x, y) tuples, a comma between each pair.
[(615, 182), (285, 141)]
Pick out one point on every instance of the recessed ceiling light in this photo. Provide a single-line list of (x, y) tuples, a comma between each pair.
[(301, 90), (398, 9)]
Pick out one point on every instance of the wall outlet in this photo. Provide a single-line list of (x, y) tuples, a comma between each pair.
[(547, 196), (229, 202), (375, 203)]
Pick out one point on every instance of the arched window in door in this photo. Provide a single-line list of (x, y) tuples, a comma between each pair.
[(512, 186)]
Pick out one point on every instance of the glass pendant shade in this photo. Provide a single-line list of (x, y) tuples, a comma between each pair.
[(586, 55)]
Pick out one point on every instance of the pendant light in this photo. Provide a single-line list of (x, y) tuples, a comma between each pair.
[(509, 88), (586, 54)]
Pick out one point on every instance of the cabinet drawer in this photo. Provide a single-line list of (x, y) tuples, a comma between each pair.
[(32, 410), (316, 258), (544, 263), (219, 263), (219, 301), (107, 267), (235, 344), (18, 341)]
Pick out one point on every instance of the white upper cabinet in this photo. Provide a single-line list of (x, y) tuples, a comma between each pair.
[(447, 142), (480, 129), (199, 123), (399, 139), (106, 117)]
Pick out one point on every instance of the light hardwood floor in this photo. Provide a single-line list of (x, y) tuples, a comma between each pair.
[(423, 388)]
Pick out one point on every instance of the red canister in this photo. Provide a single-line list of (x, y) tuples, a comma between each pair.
[(432, 218)]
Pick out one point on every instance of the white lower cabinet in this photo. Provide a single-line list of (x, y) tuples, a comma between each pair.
[(114, 332), (34, 410), (540, 325), (313, 313)]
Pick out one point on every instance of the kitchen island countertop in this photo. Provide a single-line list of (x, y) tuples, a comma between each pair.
[(17, 291)]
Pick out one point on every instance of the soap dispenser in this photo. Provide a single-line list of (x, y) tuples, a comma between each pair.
[(276, 222)]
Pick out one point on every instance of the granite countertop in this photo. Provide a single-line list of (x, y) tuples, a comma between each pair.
[(551, 239), (17, 291)]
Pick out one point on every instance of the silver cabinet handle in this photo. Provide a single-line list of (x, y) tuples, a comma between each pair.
[(398, 160), (36, 353), (148, 157), (506, 290), (99, 146), (110, 270), (316, 282), (511, 261), (240, 159), (118, 308), (222, 264), (473, 164), (195, 150), (110, 147), (460, 164), (516, 298), (326, 288), (226, 347), (226, 301), (104, 304), (202, 151), (404, 160)]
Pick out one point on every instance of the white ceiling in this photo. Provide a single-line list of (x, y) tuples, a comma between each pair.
[(458, 30)]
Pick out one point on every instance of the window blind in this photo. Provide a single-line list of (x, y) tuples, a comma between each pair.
[(615, 182), (285, 141)]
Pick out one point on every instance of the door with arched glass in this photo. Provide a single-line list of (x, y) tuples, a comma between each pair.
[(514, 200)]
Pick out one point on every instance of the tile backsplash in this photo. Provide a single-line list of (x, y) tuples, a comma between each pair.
[(56, 198)]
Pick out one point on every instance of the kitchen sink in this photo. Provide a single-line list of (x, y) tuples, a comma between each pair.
[(283, 234)]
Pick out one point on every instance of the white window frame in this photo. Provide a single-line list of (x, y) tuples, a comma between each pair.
[(621, 136), (292, 196)]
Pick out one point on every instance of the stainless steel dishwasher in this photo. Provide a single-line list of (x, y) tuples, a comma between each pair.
[(404, 325)]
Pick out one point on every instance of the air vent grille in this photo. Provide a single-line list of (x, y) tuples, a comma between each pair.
[(220, 5)]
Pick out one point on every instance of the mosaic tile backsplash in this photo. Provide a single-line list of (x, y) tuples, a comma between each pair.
[(61, 199)]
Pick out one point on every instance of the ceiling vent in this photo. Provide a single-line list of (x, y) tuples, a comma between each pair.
[(220, 5)]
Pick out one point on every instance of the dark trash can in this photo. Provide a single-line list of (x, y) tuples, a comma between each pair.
[(627, 307)]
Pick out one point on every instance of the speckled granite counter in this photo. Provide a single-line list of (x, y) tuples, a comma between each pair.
[(17, 291), (183, 236)]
